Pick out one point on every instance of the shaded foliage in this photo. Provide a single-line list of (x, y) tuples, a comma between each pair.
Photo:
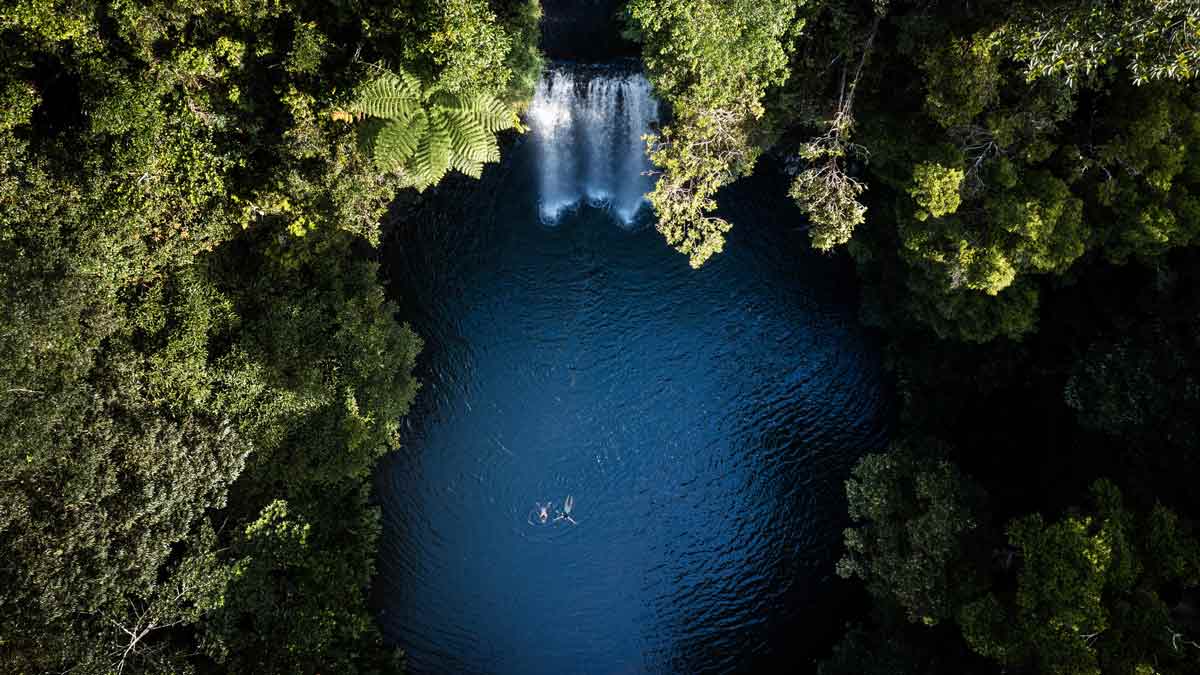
[(916, 514)]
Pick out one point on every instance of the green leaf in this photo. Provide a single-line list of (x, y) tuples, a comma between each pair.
[(389, 96)]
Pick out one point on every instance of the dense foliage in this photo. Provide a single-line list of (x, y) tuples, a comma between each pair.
[(712, 62), (1000, 144), (198, 367)]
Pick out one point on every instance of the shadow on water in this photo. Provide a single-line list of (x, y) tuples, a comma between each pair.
[(703, 421)]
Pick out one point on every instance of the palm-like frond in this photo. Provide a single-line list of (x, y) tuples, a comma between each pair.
[(492, 114), (397, 141), (432, 159), (390, 96), (427, 133), (469, 139)]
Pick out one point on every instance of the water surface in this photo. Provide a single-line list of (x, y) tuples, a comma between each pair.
[(702, 420)]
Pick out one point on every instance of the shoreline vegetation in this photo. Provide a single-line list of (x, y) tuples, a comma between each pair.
[(199, 368)]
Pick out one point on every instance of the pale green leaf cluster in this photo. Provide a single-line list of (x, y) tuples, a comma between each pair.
[(963, 79), (712, 61), (830, 199), (692, 172), (935, 189), (470, 46)]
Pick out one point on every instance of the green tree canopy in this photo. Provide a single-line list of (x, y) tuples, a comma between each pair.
[(1088, 596), (1000, 144), (713, 63), (913, 512), (191, 334)]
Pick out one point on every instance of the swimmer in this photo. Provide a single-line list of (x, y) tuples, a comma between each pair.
[(566, 512), (543, 511)]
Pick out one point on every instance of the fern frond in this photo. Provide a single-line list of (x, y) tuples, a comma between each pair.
[(432, 159), (390, 96), (444, 99), (467, 135), (492, 114), (428, 132), (491, 150), (398, 140), (466, 166)]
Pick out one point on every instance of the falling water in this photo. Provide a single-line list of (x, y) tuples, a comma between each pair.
[(588, 127)]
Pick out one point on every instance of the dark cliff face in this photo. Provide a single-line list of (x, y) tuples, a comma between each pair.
[(584, 30)]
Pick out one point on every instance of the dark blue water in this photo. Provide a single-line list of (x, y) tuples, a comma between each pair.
[(703, 421)]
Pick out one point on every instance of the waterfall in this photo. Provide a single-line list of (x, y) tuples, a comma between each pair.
[(588, 127)]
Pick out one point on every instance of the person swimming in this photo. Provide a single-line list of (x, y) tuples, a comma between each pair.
[(543, 512), (566, 512)]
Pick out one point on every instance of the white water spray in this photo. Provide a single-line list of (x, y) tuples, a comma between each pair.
[(588, 131)]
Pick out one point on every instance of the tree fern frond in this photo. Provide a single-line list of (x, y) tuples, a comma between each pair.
[(425, 135), (390, 96), (438, 144), (466, 166), (492, 114), (444, 99), (432, 159), (468, 136), (397, 141), (492, 152)]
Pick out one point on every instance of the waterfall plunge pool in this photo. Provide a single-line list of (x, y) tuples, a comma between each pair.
[(702, 420)]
